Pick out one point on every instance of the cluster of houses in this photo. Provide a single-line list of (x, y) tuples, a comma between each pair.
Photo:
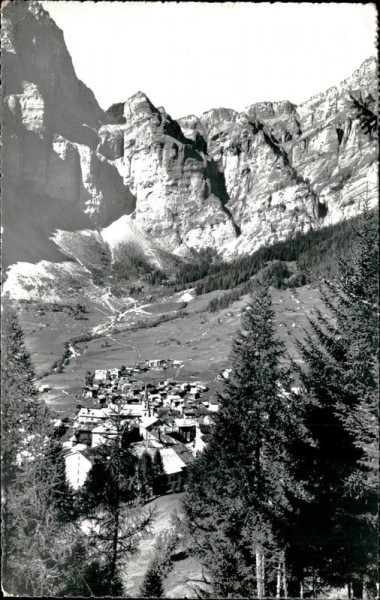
[(106, 386), (166, 415)]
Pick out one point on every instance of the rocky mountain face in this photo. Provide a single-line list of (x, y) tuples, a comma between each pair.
[(54, 178), (79, 182), (235, 181), (180, 191)]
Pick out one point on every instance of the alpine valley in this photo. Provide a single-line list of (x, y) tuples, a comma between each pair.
[(125, 208), (211, 408)]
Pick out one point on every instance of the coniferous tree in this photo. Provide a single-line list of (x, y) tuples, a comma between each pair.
[(332, 529), (146, 474), (36, 543), (152, 586), (159, 476), (61, 496), (161, 564), (20, 406), (234, 498), (366, 113), (111, 500)]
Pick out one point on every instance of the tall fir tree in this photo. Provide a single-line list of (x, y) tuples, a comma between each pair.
[(159, 476), (234, 500), (37, 545), (161, 564), (111, 501), (146, 474), (332, 529)]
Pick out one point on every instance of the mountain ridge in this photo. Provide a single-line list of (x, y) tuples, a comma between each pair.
[(225, 180)]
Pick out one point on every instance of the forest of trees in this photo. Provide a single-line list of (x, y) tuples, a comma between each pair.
[(283, 500), (313, 252), (45, 550)]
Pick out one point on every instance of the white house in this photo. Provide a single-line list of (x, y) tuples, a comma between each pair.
[(175, 460), (171, 400), (78, 463), (102, 434), (146, 425), (177, 404), (114, 373), (225, 374), (157, 363), (184, 386), (177, 363), (100, 375), (91, 415), (134, 410)]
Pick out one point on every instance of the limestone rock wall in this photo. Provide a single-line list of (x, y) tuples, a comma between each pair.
[(235, 181), (226, 180), (54, 177)]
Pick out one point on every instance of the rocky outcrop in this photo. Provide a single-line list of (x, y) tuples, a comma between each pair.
[(235, 181), (54, 177), (80, 181), (171, 176)]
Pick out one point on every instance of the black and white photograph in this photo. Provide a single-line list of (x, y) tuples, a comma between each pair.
[(190, 300)]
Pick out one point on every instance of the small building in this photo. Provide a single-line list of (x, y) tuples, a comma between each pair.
[(102, 433), (83, 434), (175, 460), (225, 374), (100, 399), (186, 428), (131, 411), (185, 386), (91, 415), (157, 363), (189, 412), (100, 375), (89, 391), (114, 373), (148, 424), (78, 463), (177, 363)]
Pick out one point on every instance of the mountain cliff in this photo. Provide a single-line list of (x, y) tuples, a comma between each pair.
[(53, 175), (79, 182), (234, 181)]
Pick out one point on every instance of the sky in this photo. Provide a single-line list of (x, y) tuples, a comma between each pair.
[(191, 56)]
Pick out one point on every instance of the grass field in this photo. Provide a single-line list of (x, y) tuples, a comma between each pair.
[(47, 330), (199, 338)]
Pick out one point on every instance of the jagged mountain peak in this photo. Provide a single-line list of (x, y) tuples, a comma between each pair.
[(225, 180), (268, 110), (140, 106)]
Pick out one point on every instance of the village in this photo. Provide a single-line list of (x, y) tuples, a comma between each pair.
[(164, 415)]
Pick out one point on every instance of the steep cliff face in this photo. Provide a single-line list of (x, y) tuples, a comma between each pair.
[(53, 175), (234, 181), (289, 168), (171, 176), (79, 182)]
